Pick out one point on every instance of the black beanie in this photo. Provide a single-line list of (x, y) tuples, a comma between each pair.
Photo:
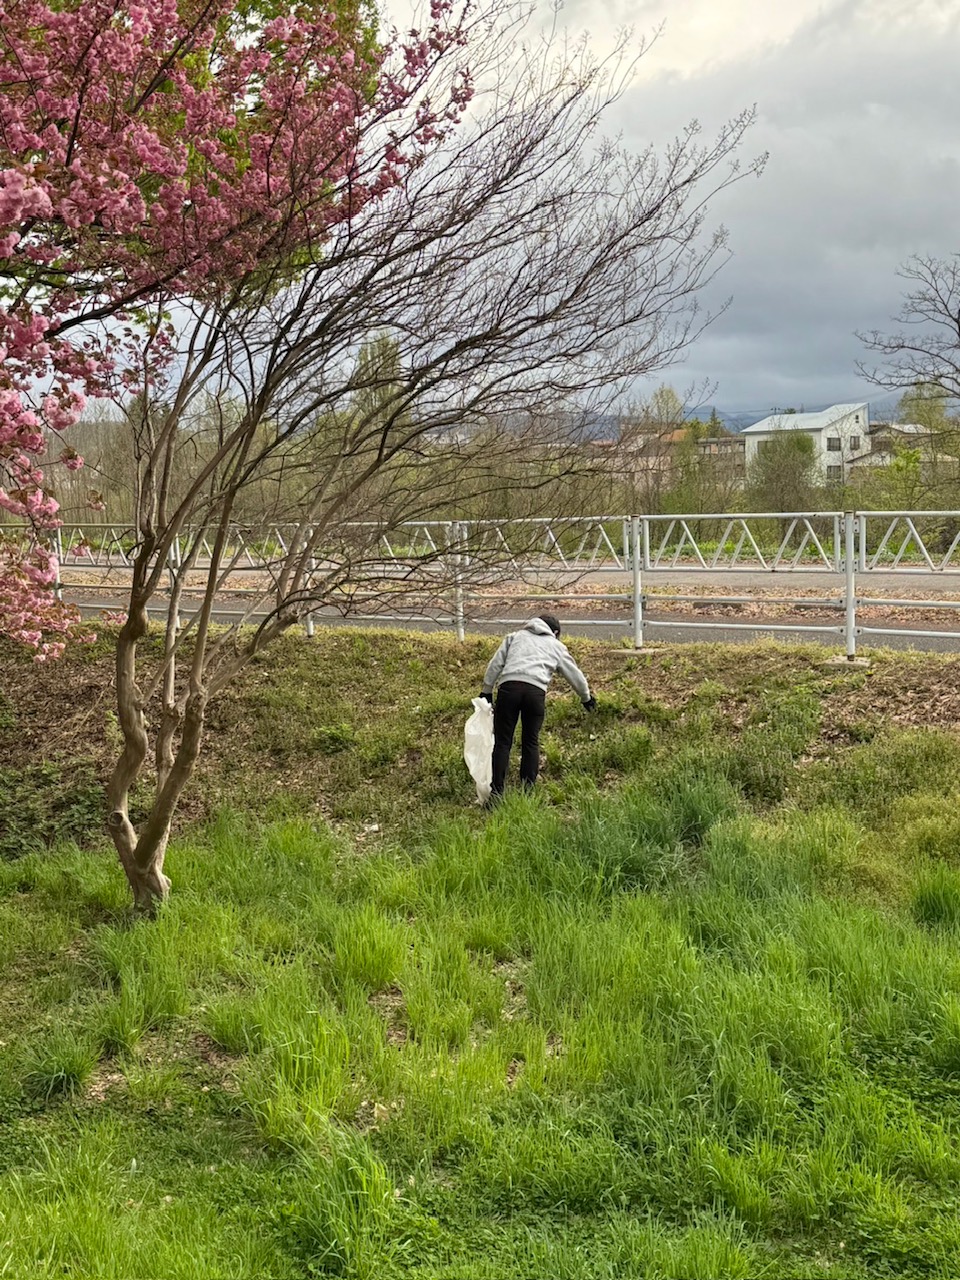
[(552, 623)]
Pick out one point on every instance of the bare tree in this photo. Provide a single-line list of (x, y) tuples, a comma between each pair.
[(925, 352), (922, 360), (519, 280)]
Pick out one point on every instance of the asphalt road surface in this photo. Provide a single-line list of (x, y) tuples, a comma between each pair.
[(661, 627)]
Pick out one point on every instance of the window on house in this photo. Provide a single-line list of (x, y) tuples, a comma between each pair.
[(834, 473), (833, 444), (854, 444)]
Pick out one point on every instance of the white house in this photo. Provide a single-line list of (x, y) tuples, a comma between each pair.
[(839, 434)]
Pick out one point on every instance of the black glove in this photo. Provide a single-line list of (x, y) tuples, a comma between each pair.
[(590, 704), (488, 697)]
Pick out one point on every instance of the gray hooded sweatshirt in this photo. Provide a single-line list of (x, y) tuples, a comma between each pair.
[(533, 655)]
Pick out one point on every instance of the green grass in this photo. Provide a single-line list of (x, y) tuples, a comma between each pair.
[(692, 1010), (45, 803), (358, 727), (61, 1064)]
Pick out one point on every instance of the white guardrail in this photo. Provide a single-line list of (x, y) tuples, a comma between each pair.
[(619, 554)]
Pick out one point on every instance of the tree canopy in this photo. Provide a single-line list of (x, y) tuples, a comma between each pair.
[(343, 283), (153, 151)]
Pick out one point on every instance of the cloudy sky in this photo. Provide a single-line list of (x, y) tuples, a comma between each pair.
[(859, 108)]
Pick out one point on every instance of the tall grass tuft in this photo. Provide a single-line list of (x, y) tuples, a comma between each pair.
[(936, 900), (368, 948), (344, 1211), (873, 776), (59, 1065)]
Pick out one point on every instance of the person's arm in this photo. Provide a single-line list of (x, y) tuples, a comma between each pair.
[(494, 667), (572, 673)]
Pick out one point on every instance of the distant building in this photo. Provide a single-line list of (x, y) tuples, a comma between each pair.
[(727, 451), (886, 439), (641, 451), (839, 435)]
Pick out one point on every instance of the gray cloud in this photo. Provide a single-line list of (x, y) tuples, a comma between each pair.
[(859, 116)]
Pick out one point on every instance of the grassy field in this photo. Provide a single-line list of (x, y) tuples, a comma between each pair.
[(692, 1011)]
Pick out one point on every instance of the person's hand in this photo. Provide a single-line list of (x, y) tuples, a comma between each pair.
[(590, 704), (487, 697)]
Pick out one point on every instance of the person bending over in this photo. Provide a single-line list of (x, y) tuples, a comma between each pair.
[(521, 671)]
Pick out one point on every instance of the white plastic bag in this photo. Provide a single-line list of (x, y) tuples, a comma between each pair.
[(478, 747)]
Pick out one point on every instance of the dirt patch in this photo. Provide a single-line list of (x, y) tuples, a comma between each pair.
[(373, 1115), (922, 691), (213, 1055), (103, 1082), (514, 992), (389, 1004)]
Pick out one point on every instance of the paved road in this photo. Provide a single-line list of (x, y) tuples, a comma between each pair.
[(661, 627)]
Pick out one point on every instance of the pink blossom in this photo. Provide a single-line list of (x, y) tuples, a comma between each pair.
[(63, 411), (143, 178), (71, 460), (29, 611)]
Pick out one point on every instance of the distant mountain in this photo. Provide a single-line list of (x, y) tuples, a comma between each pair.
[(738, 420), (732, 421), (593, 425)]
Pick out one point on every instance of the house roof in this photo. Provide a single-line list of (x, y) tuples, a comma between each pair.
[(803, 421), (902, 428)]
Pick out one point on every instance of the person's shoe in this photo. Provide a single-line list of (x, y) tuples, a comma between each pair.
[(492, 801)]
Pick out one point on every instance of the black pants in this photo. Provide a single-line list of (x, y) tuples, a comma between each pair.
[(517, 700)]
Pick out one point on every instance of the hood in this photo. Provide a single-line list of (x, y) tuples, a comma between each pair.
[(538, 627)]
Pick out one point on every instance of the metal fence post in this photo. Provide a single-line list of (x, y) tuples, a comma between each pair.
[(458, 583), (637, 584), (58, 549), (174, 561), (850, 580), (308, 622), (646, 542)]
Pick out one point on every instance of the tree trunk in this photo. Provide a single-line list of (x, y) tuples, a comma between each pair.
[(142, 853), (143, 862), (130, 714), (150, 887)]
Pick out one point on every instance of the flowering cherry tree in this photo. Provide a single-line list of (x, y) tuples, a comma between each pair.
[(156, 150), (208, 213)]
